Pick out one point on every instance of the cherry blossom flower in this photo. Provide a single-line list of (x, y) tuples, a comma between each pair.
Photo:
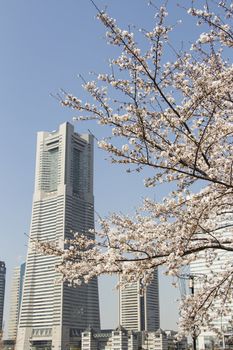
[(176, 119)]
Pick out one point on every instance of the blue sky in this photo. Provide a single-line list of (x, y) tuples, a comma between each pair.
[(44, 46)]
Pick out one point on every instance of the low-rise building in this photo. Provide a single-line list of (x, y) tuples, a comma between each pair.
[(118, 339), (173, 343), (122, 339), (156, 340)]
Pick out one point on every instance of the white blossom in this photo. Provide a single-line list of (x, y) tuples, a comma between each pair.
[(125, 148), (176, 119)]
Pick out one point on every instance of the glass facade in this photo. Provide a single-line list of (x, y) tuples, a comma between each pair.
[(53, 169), (80, 171)]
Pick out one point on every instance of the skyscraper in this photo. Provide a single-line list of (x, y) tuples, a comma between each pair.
[(200, 268), (2, 291), (139, 310), (15, 300), (53, 314)]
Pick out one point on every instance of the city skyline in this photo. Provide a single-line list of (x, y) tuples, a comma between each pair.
[(50, 57), (155, 105), (44, 311)]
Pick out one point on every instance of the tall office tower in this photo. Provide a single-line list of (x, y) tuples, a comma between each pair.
[(200, 268), (139, 310), (2, 291), (15, 300), (53, 314)]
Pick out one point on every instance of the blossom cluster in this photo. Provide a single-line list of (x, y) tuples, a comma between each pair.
[(176, 119)]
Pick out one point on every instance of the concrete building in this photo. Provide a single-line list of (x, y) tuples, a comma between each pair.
[(207, 338), (156, 340), (163, 340), (121, 339), (53, 314), (118, 339), (172, 342), (15, 300), (139, 310), (2, 292)]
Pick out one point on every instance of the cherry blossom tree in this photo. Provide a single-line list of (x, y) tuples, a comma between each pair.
[(176, 119)]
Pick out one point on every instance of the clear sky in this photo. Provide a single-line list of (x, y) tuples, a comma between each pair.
[(44, 46)]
